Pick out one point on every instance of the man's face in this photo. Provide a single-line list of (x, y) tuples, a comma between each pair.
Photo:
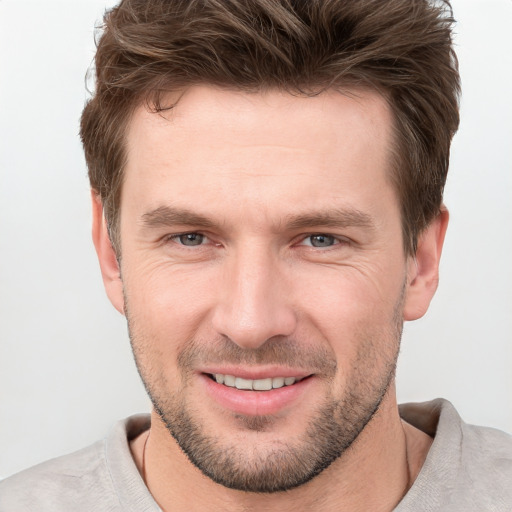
[(261, 248)]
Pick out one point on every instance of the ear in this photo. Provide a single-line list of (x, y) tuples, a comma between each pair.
[(106, 255), (423, 269)]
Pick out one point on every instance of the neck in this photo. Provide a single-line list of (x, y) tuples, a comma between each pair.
[(373, 474)]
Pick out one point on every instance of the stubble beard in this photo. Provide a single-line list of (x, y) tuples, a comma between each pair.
[(332, 428)]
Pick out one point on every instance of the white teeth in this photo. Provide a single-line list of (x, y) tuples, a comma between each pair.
[(229, 380), (277, 382), (262, 384), (243, 383), (256, 384)]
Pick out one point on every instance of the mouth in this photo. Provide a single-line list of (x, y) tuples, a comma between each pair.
[(266, 384), (272, 392)]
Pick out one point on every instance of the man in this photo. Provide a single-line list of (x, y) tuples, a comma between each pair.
[(267, 184)]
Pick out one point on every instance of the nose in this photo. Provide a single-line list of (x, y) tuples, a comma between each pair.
[(254, 304)]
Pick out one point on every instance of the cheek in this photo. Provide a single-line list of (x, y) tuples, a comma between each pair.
[(167, 303), (349, 292), (351, 308)]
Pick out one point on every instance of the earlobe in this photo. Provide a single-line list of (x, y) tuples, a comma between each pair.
[(423, 270), (106, 255)]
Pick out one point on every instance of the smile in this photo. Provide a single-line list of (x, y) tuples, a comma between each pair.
[(271, 392), (254, 384)]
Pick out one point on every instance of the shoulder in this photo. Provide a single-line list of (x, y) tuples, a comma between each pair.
[(99, 478), (467, 468), (60, 484), (486, 461), (488, 442), (484, 454)]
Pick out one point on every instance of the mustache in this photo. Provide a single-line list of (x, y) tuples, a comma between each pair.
[(280, 351)]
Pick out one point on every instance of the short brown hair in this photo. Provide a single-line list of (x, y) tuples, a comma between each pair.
[(401, 48)]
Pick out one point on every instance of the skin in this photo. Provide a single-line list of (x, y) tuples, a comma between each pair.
[(253, 165)]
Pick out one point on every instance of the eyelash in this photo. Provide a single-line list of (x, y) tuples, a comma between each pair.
[(336, 240), (175, 238)]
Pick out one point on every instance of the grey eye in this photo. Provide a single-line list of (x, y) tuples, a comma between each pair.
[(322, 240), (191, 239)]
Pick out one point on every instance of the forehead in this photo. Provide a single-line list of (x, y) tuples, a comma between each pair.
[(228, 145), (287, 117)]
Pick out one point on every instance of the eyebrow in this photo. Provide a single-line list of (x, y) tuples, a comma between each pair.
[(166, 216), (335, 218)]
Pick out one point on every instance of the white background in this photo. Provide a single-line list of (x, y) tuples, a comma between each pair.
[(66, 372)]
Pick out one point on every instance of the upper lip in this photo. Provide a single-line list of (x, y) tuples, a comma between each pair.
[(257, 373)]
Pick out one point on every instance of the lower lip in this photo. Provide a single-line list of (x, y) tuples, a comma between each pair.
[(255, 403)]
